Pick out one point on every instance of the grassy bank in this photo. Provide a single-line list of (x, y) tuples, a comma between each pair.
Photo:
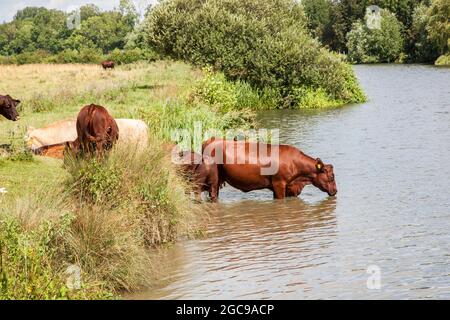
[(99, 217)]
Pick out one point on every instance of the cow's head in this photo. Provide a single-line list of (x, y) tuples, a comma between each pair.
[(324, 178), (8, 108)]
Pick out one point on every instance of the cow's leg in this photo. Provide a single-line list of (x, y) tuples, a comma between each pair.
[(214, 192), (279, 189), (100, 150)]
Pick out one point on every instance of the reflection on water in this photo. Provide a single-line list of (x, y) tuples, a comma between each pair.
[(391, 157), (243, 247)]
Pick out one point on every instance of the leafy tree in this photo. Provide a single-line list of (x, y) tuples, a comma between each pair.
[(49, 28), (22, 39), (344, 13), (106, 31), (264, 43), (29, 13), (438, 25), (129, 13), (318, 13), (38, 28), (369, 45), (422, 49), (89, 10)]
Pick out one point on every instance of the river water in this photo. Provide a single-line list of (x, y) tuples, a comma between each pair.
[(385, 235)]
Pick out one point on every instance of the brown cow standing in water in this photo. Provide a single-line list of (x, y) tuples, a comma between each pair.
[(97, 130), (241, 165), (108, 64), (201, 171), (8, 107)]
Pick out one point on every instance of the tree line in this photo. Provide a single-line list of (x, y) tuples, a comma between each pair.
[(38, 34), (410, 31)]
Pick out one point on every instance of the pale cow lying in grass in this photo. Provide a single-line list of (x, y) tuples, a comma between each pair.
[(50, 141)]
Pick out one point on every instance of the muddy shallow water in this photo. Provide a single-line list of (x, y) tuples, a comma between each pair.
[(392, 212)]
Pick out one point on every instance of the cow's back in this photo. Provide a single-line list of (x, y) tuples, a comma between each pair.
[(56, 133), (133, 131)]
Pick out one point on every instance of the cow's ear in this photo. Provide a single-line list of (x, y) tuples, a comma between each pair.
[(319, 165), (17, 101)]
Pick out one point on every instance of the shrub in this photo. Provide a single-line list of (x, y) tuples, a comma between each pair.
[(16, 149), (90, 55), (26, 270), (443, 60), (132, 55), (423, 49), (263, 43), (164, 118), (66, 56), (37, 56), (5, 60), (216, 91), (33, 235), (310, 98), (135, 184), (372, 45)]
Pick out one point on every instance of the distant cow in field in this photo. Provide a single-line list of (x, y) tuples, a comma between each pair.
[(97, 131), (8, 107), (108, 64), (202, 172), (132, 133)]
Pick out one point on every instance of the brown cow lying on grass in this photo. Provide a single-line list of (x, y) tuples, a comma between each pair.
[(54, 151), (132, 132), (97, 130), (201, 171), (8, 108), (241, 165)]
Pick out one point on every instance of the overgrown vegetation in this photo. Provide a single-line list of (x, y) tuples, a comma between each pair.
[(262, 43), (373, 45), (40, 35), (104, 221), (424, 26)]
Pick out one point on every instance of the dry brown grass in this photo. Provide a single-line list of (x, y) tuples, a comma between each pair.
[(26, 81)]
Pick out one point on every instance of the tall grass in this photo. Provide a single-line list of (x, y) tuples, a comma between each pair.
[(104, 220)]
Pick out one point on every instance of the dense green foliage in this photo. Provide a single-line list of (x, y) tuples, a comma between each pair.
[(438, 25), (367, 45), (424, 25), (423, 49), (40, 35), (265, 44)]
